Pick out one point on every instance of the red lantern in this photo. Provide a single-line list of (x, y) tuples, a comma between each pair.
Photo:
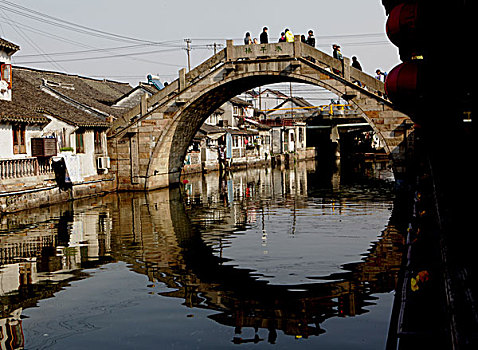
[(402, 83), (402, 23), (403, 30)]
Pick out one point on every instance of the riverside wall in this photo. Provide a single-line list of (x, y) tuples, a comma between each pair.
[(26, 193)]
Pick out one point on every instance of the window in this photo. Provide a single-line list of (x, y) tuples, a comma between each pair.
[(6, 71), (19, 146), (98, 142), (80, 143)]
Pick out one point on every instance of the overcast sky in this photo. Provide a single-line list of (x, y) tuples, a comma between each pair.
[(127, 40)]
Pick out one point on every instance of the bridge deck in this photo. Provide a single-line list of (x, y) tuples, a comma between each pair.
[(337, 70)]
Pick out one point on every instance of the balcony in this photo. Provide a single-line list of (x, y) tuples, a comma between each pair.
[(24, 167)]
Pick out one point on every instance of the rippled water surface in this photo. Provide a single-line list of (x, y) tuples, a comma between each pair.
[(258, 258)]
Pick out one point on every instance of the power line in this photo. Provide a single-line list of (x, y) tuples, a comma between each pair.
[(42, 17), (111, 56), (20, 32), (96, 50)]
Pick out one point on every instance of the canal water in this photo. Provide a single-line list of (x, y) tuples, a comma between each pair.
[(268, 258)]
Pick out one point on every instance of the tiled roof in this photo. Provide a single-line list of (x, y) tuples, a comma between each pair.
[(143, 86), (239, 101), (298, 101), (5, 44), (30, 104), (210, 129), (97, 94)]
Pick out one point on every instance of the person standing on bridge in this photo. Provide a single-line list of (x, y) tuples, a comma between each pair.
[(338, 55), (248, 39), (289, 37), (310, 38), (336, 52), (356, 63), (264, 38), (381, 75), (282, 37)]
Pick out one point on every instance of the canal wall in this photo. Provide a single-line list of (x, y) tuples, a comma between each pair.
[(286, 159), (38, 191), (27, 193)]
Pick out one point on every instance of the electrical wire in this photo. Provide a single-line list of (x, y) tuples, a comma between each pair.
[(20, 32), (172, 45), (42, 17), (111, 56)]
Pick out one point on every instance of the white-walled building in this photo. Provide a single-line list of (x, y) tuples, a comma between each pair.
[(36, 112), (7, 49), (53, 121)]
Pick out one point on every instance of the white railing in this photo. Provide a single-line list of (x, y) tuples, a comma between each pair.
[(24, 167)]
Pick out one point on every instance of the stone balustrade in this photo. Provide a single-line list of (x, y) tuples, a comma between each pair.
[(24, 167)]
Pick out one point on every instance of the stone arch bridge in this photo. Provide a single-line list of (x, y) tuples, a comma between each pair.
[(147, 144)]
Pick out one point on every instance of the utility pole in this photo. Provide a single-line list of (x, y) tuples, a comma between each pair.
[(188, 51), (215, 46)]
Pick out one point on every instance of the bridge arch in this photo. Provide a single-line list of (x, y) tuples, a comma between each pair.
[(160, 129)]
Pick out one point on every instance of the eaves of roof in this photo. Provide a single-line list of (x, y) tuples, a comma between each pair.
[(11, 47)]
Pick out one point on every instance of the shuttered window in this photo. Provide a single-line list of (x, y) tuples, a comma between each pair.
[(19, 145), (80, 143)]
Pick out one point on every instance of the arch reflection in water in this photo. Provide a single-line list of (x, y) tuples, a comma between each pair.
[(182, 246), (185, 238)]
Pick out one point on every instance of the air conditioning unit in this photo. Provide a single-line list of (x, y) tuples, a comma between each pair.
[(103, 162)]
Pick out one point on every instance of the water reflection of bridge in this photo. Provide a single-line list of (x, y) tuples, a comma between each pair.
[(164, 245), (153, 232)]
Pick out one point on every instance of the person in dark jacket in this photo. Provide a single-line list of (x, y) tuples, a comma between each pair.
[(310, 38), (282, 37), (264, 38), (356, 63), (247, 39)]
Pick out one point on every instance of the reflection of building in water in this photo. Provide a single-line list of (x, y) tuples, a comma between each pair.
[(239, 190), (40, 253), (158, 240), (154, 234), (11, 332), (89, 239)]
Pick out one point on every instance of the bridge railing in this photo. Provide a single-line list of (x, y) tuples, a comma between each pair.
[(302, 52), (311, 55), (172, 89)]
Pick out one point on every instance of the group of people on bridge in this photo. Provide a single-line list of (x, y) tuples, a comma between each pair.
[(287, 36)]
